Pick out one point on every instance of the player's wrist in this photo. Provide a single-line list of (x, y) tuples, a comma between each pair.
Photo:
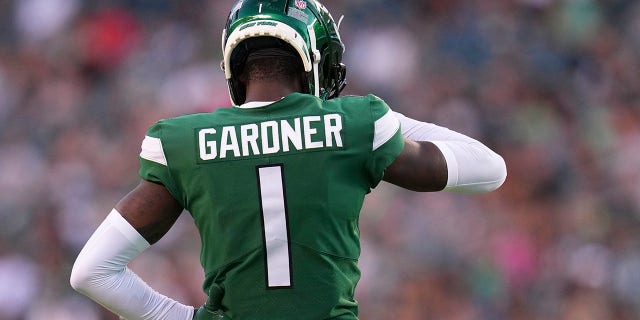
[(204, 313)]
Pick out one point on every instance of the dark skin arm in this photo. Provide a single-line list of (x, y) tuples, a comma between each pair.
[(419, 167), (150, 209)]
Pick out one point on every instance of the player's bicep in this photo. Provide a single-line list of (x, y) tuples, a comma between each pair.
[(419, 167), (150, 209)]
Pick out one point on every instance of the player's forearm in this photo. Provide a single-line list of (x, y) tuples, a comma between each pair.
[(100, 272), (472, 167)]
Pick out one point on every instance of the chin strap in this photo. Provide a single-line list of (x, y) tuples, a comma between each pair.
[(315, 60)]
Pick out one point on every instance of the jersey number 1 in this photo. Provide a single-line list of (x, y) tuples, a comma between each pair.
[(275, 226)]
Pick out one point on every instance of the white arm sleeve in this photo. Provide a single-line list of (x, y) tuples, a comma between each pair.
[(472, 167), (100, 272)]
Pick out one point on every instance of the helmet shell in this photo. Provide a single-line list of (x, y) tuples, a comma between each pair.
[(304, 25)]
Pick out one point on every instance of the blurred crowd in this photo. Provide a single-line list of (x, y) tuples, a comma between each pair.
[(552, 85)]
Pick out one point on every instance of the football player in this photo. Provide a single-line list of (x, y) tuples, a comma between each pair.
[(275, 183)]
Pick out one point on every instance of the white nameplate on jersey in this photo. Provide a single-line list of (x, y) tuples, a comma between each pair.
[(270, 137)]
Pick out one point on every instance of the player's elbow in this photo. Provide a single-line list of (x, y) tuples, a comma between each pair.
[(80, 278), (499, 169), (83, 275), (487, 176), (496, 175)]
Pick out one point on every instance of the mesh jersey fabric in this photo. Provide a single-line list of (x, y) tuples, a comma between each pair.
[(276, 193)]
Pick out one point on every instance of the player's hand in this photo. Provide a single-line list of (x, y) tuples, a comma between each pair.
[(203, 313)]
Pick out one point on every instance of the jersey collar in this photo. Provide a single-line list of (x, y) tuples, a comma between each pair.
[(254, 104)]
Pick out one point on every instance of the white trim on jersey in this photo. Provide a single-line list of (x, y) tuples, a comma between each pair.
[(385, 128), (254, 104), (152, 150)]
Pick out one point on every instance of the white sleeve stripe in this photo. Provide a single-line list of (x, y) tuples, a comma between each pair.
[(385, 128), (152, 150)]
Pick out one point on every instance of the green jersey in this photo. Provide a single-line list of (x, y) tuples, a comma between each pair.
[(275, 192)]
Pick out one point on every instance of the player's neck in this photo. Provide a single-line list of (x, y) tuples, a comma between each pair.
[(270, 90)]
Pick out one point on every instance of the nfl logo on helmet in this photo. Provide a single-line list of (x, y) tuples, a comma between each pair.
[(301, 4)]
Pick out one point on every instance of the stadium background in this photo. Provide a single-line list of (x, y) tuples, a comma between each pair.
[(552, 85)]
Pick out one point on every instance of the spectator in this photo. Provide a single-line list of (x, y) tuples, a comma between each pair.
[(552, 85)]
